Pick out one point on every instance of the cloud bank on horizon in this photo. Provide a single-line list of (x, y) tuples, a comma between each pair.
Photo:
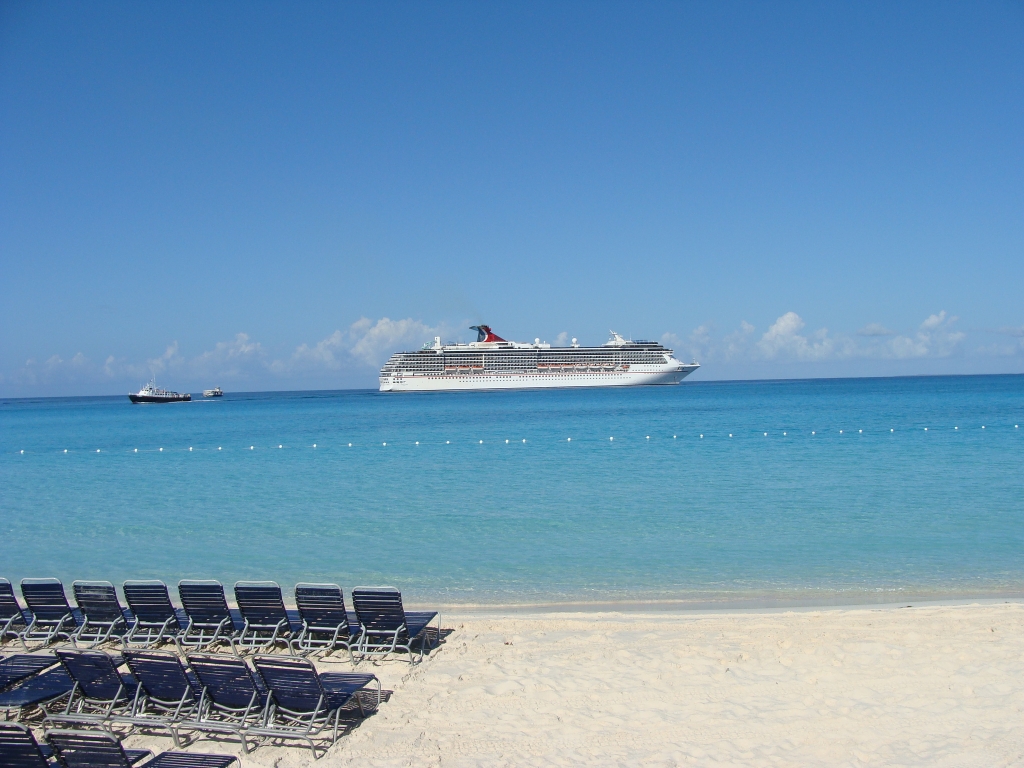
[(350, 358)]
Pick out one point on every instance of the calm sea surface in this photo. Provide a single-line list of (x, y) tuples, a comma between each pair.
[(884, 509)]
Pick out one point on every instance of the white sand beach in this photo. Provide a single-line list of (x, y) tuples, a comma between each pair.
[(935, 685)]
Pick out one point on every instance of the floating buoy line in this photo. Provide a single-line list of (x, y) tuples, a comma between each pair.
[(507, 441)]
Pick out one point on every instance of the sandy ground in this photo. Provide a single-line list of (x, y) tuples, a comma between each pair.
[(921, 686)]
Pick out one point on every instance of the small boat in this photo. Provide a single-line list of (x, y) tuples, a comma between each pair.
[(215, 392), (151, 394)]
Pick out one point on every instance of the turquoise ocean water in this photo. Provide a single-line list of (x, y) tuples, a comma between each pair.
[(883, 510)]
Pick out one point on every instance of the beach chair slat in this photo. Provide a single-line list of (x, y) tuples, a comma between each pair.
[(12, 618), (100, 749), (45, 599), (19, 749), (21, 666), (149, 601)]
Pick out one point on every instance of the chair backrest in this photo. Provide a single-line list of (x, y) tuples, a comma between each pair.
[(203, 601), (149, 601), (260, 602), (321, 605), (22, 665), (87, 749), (18, 748), (9, 606), (94, 671), (379, 607), (97, 600), (292, 682), (226, 679), (45, 598), (160, 674)]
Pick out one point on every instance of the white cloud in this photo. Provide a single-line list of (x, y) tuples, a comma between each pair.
[(783, 340), (1017, 330), (934, 338), (376, 341), (562, 339), (366, 343), (787, 341)]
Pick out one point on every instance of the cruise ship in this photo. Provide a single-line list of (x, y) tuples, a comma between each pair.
[(491, 362)]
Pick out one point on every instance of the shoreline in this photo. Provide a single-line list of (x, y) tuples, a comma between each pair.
[(697, 606)]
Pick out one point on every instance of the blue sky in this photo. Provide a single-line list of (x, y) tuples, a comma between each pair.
[(276, 196)]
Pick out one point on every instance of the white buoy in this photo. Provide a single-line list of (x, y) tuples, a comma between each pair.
[(702, 437), (350, 445), (611, 438), (136, 450), (766, 434), (161, 450), (481, 442), (418, 442), (22, 450), (956, 427), (673, 437), (98, 450), (730, 434), (446, 442), (66, 450), (190, 447), (524, 439), (926, 429), (568, 439), (219, 448), (891, 430), (385, 443), (250, 448), (648, 437), (982, 426), (812, 431), (860, 431), (783, 434), (314, 445), (506, 443)]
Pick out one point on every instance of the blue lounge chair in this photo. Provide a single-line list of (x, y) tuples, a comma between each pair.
[(156, 621), (209, 618), (232, 699), (12, 619), (103, 618), (387, 627), (266, 619), (100, 692), (96, 749), (52, 618), (19, 749), (167, 695), (325, 622), (39, 690), (299, 705), (21, 666)]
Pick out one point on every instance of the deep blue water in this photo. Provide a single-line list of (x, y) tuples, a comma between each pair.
[(794, 516)]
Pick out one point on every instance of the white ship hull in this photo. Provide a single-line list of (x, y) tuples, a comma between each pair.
[(635, 376)]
